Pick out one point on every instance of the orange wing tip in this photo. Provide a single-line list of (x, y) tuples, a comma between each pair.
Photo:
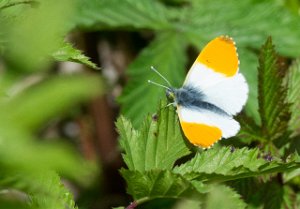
[(227, 39), (201, 135), (208, 147), (220, 55), (230, 40)]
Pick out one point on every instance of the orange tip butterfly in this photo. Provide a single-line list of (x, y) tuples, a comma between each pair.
[(213, 92)]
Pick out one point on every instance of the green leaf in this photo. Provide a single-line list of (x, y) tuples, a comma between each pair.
[(273, 196), (293, 97), (8, 204), (290, 175), (35, 33), (125, 13), (167, 54), (222, 161), (156, 184), (48, 98), (186, 203), (279, 197), (251, 189), (250, 131), (159, 184), (156, 145), (22, 114), (224, 164), (11, 3), (26, 155), (249, 28), (248, 66), (51, 193), (41, 190), (68, 53), (273, 109), (297, 199), (221, 196), (288, 198)]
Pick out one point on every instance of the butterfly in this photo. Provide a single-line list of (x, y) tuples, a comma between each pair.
[(213, 92)]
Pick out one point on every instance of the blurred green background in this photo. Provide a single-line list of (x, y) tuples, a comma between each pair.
[(70, 67)]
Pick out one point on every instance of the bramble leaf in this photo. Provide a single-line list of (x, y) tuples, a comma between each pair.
[(224, 164), (68, 53), (159, 184), (125, 13), (273, 108), (156, 145), (222, 161), (166, 184)]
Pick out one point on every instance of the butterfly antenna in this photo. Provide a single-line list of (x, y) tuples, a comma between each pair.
[(158, 73), (157, 84)]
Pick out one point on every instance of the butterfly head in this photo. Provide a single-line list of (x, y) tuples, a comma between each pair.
[(170, 93)]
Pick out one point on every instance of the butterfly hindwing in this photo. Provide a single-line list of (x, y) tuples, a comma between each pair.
[(204, 127)]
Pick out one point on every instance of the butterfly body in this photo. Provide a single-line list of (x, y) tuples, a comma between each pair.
[(193, 98)]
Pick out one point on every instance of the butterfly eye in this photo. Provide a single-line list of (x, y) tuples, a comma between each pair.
[(170, 94)]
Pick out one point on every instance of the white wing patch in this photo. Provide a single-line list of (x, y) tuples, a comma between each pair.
[(227, 124), (227, 93), (230, 94)]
